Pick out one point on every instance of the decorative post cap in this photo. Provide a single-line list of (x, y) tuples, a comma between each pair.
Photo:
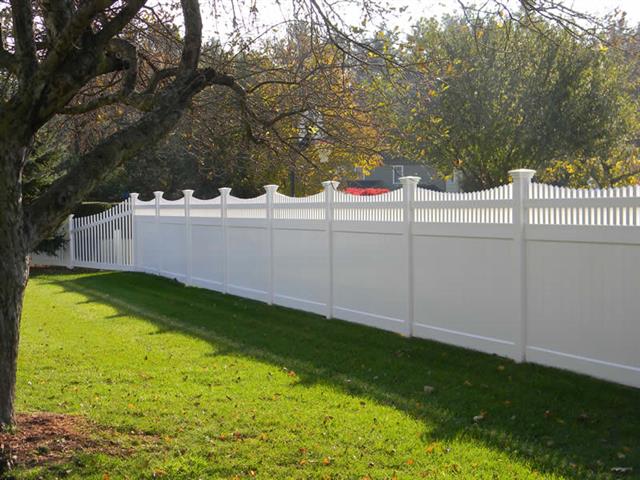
[(224, 191), (158, 194), (330, 184), (271, 188), (187, 193), (409, 180), (134, 196), (522, 173)]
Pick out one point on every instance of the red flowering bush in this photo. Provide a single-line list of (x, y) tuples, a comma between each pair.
[(365, 191)]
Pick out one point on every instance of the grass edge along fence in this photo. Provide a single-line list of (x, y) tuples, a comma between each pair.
[(528, 271)]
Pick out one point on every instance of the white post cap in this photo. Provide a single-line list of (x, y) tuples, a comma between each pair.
[(187, 193), (158, 194), (409, 180), (330, 184), (224, 190), (522, 174), (271, 188)]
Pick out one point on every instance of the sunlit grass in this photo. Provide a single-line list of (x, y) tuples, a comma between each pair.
[(238, 389)]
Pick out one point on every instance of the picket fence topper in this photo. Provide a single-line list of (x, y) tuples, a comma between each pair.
[(525, 270)]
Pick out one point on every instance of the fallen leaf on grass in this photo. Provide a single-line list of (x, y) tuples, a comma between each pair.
[(479, 418), (432, 447), (622, 470)]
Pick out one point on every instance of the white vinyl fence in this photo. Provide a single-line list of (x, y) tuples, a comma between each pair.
[(528, 271)]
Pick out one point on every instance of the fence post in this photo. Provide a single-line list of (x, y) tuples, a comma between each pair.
[(158, 197), (133, 199), (329, 189), (72, 243), (409, 186), (224, 197), (521, 183), (271, 190), (188, 235)]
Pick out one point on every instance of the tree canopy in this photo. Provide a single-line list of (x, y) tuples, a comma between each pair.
[(501, 95)]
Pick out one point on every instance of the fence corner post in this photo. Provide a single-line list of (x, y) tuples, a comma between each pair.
[(409, 187), (330, 187), (224, 199), (521, 183), (72, 244), (188, 235), (135, 246), (271, 190)]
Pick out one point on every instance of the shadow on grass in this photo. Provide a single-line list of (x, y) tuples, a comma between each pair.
[(559, 422)]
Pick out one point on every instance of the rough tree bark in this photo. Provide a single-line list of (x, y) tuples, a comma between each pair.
[(14, 272)]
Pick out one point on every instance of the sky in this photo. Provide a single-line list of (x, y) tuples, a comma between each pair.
[(272, 12)]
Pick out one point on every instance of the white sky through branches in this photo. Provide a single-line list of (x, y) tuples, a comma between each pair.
[(268, 13)]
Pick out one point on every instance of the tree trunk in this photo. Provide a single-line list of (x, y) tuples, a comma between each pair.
[(14, 271)]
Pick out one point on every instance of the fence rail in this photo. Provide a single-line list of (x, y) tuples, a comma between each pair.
[(528, 271)]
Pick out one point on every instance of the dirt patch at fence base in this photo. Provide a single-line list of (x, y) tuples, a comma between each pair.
[(49, 438)]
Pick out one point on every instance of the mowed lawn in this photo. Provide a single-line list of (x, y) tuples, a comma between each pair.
[(231, 388)]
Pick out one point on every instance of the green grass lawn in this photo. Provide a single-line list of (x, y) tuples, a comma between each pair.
[(236, 389)]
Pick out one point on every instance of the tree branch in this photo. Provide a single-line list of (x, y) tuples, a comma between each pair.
[(49, 209), (8, 61), (121, 20), (56, 15), (69, 36), (159, 76), (193, 35), (25, 48)]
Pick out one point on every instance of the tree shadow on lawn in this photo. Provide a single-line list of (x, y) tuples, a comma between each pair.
[(557, 421)]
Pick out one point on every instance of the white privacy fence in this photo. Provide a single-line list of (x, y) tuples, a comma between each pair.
[(528, 271)]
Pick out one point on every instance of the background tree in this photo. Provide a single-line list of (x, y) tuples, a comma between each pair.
[(299, 82), (505, 95)]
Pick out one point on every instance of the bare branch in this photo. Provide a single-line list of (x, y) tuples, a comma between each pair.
[(159, 76), (57, 14), (121, 20), (193, 35), (25, 48), (8, 61)]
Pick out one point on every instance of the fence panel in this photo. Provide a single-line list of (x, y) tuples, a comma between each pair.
[(103, 240), (583, 264)]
